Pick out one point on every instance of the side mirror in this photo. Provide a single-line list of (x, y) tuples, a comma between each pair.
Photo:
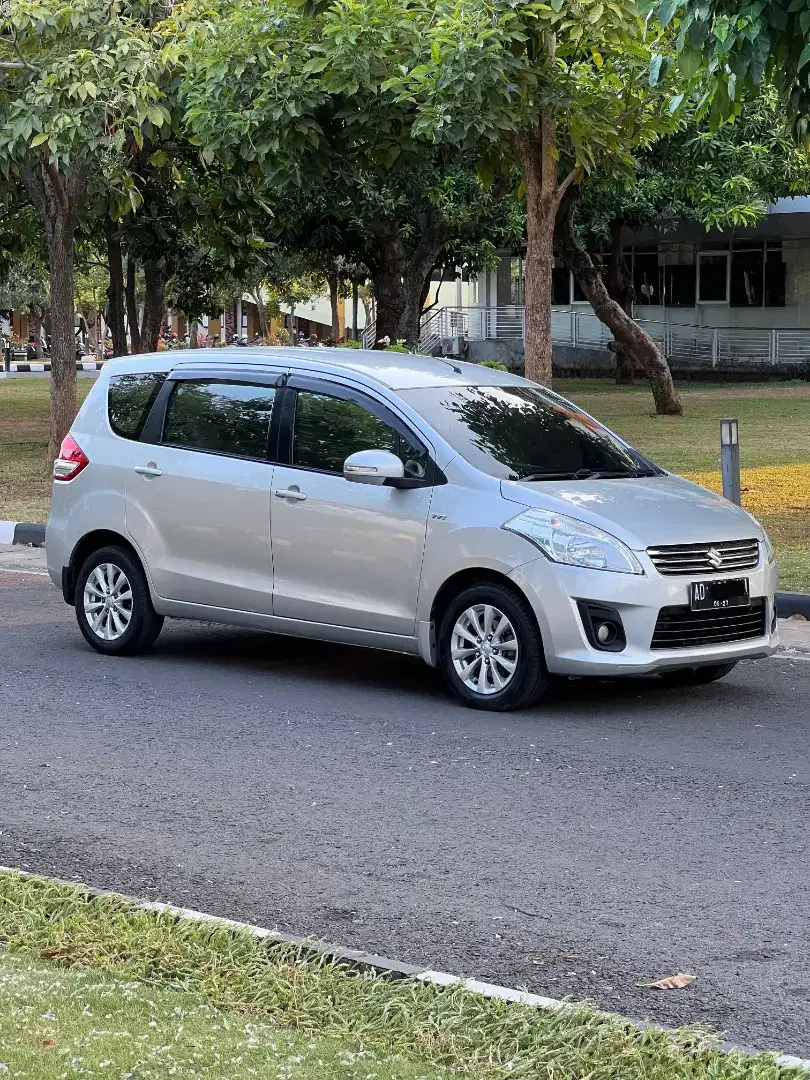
[(373, 467)]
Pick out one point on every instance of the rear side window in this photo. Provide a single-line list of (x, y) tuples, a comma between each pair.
[(129, 401), (221, 417)]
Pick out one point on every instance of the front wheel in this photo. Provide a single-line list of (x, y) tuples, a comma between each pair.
[(490, 650), (113, 606), (698, 676)]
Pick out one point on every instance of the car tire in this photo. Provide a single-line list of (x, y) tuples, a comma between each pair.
[(501, 621), (113, 606), (698, 676)]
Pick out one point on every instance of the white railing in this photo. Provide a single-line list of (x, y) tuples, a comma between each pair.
[(703, 345)]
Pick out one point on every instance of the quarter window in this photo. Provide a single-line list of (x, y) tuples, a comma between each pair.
[(329, 429), (221, 417), (129, 401)]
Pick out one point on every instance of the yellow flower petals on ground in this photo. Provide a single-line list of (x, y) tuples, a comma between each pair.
[(783, 487)]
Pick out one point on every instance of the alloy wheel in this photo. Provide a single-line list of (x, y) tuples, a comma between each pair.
[(108, 602), (484, 649)]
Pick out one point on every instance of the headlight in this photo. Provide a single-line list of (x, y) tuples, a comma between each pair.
[(566, 540)]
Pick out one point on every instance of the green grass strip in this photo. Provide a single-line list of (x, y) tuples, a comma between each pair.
[(452, 1028)]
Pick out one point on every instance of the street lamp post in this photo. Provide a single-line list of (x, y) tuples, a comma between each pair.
[(730, 459)]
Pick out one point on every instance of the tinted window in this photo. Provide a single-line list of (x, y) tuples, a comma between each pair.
[(713, 284), (129, 401), (329, 429), (227, 418), (516, 431)]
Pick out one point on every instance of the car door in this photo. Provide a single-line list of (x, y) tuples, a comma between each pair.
[(198, 496), (346, 554)]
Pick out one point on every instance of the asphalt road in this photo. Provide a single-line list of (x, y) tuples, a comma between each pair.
[(341, 793)]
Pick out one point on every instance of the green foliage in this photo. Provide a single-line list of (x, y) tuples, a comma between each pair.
[(721, 179), (64, 104), (494, 365), (24, 286), (730, 48), (481, 73), (350, 344)]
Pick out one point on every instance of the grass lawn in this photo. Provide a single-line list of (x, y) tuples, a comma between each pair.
[(25, 483), (58, 1022), (774, 434), (95, 986)]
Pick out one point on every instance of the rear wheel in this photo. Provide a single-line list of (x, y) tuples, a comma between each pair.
[(490, 650), (698, 676), (113, 606)]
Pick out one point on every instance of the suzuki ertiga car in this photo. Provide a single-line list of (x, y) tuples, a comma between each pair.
[(398, 502)]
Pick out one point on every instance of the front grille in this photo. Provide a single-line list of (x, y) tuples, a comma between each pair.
[(724, 556), (682, 628)]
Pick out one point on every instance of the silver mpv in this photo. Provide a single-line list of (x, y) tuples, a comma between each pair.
[(399, 502)]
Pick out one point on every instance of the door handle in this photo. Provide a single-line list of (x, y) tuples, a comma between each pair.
[(290, 493), (148, 470)]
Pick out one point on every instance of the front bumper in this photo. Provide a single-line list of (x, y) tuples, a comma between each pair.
[(554, 589)]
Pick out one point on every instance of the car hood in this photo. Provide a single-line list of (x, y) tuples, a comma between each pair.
[(643, 512)]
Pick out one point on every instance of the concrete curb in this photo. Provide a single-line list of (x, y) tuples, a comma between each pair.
[(27, 368), (792, 603), (22, 532), (382, 965)]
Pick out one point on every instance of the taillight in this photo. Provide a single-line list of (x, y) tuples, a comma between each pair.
[(72, 459)]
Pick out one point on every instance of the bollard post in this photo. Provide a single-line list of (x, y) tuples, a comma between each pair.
[(730, 460), (7, 359)]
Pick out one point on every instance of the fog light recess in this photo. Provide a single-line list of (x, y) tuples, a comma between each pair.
[(603, 626)]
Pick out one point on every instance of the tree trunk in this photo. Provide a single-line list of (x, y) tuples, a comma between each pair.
[(417, 275), (115, 306), (56, 196), (154, 307), (625, 330), (355, 299), (132, 305), (334, 304), (261, 312), (539, 164), (35, 331), (620, 286), (389, 272), (368, 311), (194, 334)]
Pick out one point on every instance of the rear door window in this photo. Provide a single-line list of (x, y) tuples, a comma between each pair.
[(129, 401), (220, 417)]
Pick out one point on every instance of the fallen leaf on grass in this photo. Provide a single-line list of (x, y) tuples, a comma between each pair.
[(672, 982)]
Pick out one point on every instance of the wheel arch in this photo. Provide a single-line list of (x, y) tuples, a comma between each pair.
[(89, 543), (457, 583)]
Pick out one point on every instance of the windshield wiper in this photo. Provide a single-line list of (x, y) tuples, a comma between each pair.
[(587, 474)]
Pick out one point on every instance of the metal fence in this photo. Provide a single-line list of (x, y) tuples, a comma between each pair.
[(702, 346)]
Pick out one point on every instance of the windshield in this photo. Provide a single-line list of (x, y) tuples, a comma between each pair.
[(524, 433)]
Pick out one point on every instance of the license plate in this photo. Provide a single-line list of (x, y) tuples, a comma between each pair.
[(707, 595)]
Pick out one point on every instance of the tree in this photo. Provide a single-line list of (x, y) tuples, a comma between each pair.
[(560, 89), (288, 91), (81, 81), (720, 179)]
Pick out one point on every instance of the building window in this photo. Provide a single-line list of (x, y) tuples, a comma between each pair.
[(647, 276), (560, 285), (746, 278), (774, 277), (713, 278)]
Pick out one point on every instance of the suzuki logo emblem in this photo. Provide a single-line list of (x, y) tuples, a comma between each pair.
[(715, 558)]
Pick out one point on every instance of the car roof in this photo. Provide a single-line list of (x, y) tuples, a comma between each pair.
[(397, 371)]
